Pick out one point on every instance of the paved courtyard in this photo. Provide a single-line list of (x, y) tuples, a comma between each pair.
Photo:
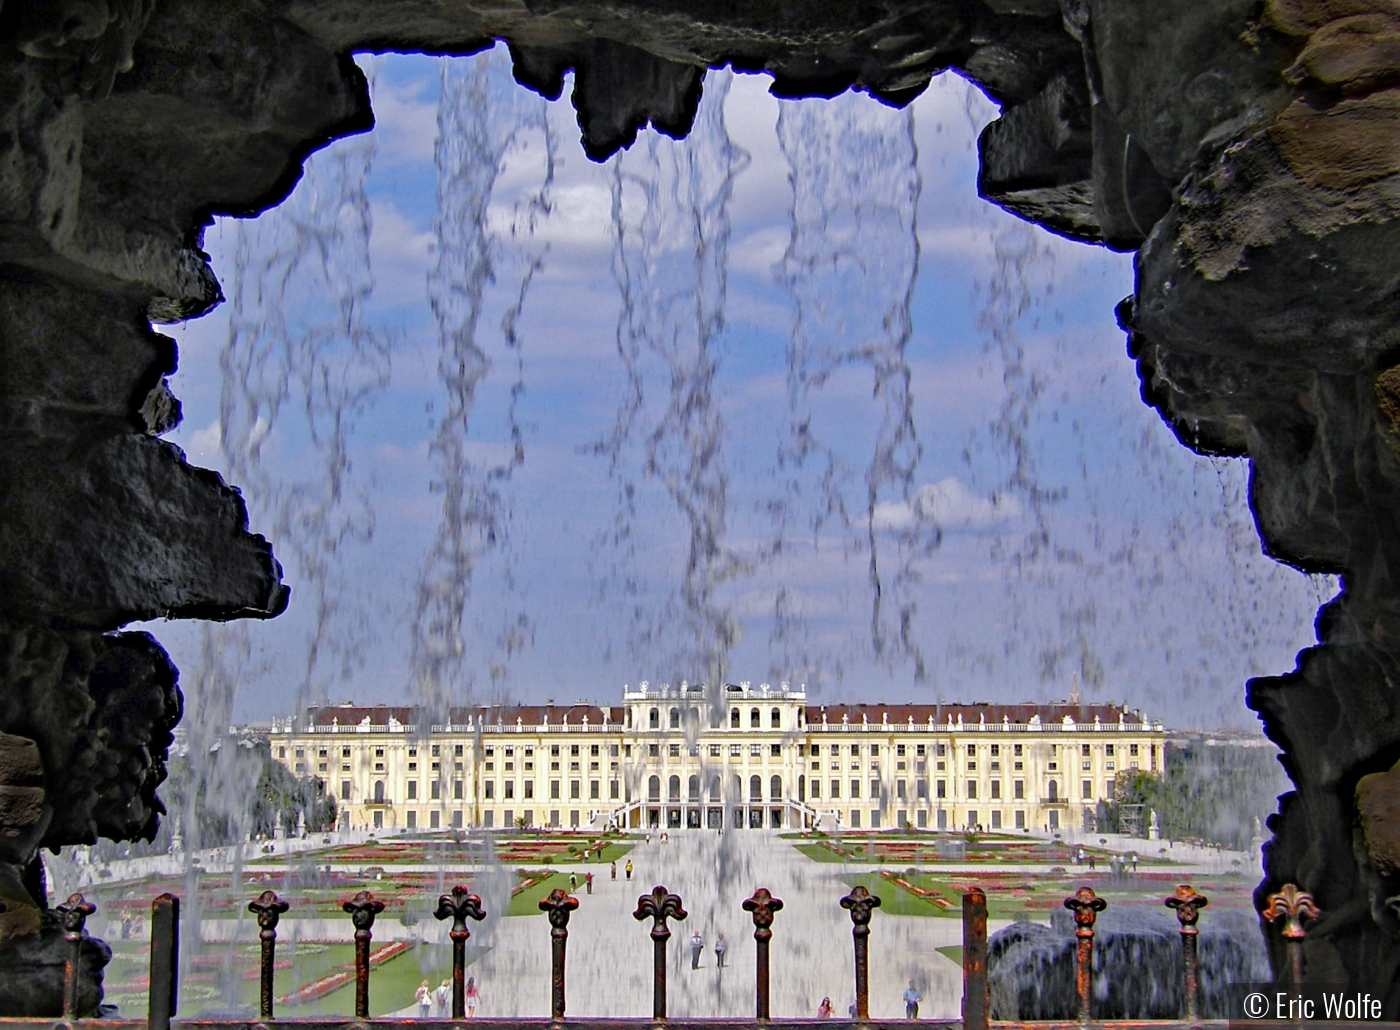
[(610, 958)]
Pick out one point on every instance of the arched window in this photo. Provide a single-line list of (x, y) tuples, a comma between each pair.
[(694, 716), (714, 789), (673, 788), (775, 788), (754, 721), (734, 718), (776, 717), (1054, 791), (755, 788), (379, 792), (654, 788), (655, 719), (801, 788), (694, 788), (738, 789), (629, 718), (675, 718)]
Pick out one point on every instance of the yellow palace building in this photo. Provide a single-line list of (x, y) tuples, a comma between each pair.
[(744, 757)]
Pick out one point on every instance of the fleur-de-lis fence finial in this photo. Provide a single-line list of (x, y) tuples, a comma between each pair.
[(659, 906), (861, 903), (1188, 905), (1292, 906), (363, 907), (558, 906), (762, 906), (459, 906), (268, 907), (73, 913), (1086, 906)]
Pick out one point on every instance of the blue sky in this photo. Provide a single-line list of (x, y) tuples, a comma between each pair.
[(1033, 521)]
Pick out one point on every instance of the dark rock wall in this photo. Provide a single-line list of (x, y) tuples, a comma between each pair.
[(1248, 152)]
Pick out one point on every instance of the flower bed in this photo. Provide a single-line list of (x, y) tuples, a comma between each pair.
[(344, 975)]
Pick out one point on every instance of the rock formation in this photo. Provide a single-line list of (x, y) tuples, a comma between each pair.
[(1248, 152)]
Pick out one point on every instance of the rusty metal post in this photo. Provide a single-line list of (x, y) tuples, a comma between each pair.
[(458, 906), (659, 905), (268, 907), (165, 962), (1292, 906), (763, 906), (363, 907), (73, 913), (1188, 905), (1086, 906), (976, 1002), (860, 903), (558, 906)]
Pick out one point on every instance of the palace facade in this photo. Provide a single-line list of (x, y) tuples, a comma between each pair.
[(745, 757)]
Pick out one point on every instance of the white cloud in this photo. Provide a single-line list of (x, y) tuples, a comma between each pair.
[(947, 505)]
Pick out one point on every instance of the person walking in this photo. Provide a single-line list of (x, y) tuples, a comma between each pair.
[(472, 996), (440, 997), (588, 881), (824, 1009), (614, 869), (697, 945), (425, 999), (912, 997), (573, 882), (629, 869), (720, 947)]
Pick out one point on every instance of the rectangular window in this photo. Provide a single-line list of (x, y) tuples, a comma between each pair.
[(593, 749), (457, 790), (488, 819), (972, 789), (490, 787), (529, 817), (412, 820), (509, 790), (1084, 750), (413, 790), (816, 789), (972, 817), (593, 790), (942, 751), (1088, 790), (612, 791), (1016, 750), (899, 789), (874, 815), (457, 820), (835, 789), (855, 789), (899, 750), (1132, 750), (435, 789), (755, 750), (996, 750), (714, 750), (996, 818), (1018, 790), (344, 790), (509, 819), (573, 818), (1020, 820), (1054, 818), (921, 788), (345, 752), (612, 750), (941, 788), (554, 790), (529, 789), (922, 819), (1108, 750), (653, 750), (573, 750), (457, 751), (942, 819), (855, 818), (775, 750), (919, 750), (437, 751), (434, 820), (874, 789), (874, 753), (674, 751), (574, 789), (996, 789)]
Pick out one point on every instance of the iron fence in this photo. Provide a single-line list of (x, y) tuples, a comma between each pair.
[(1288, 908)]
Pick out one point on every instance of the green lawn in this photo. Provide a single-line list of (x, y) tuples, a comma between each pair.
[(953, 952)]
